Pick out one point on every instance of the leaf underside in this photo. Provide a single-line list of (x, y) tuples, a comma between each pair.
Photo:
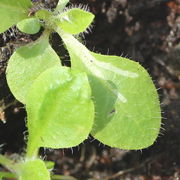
[(12, 12), (27, 63), (126, 102), (60, 110)]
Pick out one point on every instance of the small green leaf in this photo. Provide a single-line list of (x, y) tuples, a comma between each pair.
[(29, 26), (27, 63), (126, 102), (43, 14), (60, 110), (33, 170), (12, 12), (74, 21)]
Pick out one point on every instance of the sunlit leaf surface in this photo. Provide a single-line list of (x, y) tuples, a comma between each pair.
[(60, 110)]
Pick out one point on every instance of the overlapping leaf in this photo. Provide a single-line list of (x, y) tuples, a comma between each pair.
[(12, 12), (126, 102), (29, 26), (27, 63), (60, 109)]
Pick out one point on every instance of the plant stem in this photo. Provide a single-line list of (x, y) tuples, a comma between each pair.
[(32, 149), (61, 5), (7, 162)]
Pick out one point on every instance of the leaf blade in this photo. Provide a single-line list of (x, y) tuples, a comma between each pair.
[(136, 112), (63, 111)]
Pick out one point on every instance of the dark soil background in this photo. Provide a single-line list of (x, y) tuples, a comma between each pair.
[(147, 31)]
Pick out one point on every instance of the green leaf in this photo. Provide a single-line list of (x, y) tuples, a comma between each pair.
[(33, 170), (12, 12), (29, 26), (60, 110), (74, 21), (126, 102), (136, 110), (43, 14), (27, 63)]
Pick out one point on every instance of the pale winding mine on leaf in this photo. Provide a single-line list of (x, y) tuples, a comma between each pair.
[(95, 66), (33, 170)]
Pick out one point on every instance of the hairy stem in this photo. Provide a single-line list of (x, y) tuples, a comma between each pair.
[(61, 5), (7, 163), (32, 149)]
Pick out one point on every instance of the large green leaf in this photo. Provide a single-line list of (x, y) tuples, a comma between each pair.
[(12, 12), (74, 21), (60, 110), (29, 26), (126, 102), (27, 63), (33, 170)]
